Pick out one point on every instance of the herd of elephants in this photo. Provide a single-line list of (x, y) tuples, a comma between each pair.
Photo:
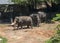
[(33, 19)]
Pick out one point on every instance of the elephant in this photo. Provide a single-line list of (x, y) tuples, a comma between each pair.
[(35, 18), (42, 16), (22, 21)]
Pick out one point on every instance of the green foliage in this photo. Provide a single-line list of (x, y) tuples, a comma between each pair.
[(19, 1), (58, 31), (3, 40), (58, 15), (26, 1), (55, 38), (57, 18), (33, 3), (37, 1), (49, 41), (56, 1)]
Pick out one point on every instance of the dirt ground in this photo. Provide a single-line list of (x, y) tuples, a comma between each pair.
[(35, 35)]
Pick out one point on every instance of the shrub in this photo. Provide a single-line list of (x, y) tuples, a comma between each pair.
[(57, 18), (3, 40), (55, 38)]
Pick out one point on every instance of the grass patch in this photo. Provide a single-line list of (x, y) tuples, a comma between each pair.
[(3, 40)]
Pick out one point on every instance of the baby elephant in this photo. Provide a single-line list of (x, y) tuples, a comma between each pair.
[(22, 21)]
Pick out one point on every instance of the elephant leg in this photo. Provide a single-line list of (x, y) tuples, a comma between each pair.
[(15, 27), (31, 24), (18, 27), (27, 26), (21, 26), (38, 22)]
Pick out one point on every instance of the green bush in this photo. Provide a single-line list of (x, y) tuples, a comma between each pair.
[(3, 40), (57, 18), (55, 38)]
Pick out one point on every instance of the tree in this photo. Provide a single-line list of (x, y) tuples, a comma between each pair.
[(33, 3), (25, 2)]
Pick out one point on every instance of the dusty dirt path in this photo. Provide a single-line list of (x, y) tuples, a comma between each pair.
[(35, 35)]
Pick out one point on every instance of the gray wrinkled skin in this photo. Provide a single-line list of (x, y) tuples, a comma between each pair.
[(36, 19), (23, 21), (42, 16)]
